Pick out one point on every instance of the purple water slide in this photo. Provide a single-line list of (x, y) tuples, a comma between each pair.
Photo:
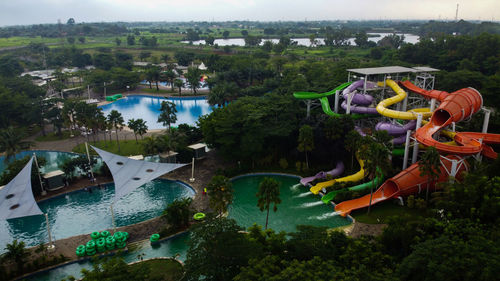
[(357, 98), (339, 169), (360, 131), (396, 129), (359, 109), (399, 140)]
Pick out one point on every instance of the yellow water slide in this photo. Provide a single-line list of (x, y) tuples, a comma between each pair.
[(383, 109), (351, 178)]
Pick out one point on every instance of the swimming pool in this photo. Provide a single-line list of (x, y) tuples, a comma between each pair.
[(82, 212), (298, 205), (148, 108)]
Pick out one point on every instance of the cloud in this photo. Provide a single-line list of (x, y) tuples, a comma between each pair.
[(49, 11)]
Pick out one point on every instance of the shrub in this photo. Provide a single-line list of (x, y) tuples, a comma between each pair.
[(283, 163)]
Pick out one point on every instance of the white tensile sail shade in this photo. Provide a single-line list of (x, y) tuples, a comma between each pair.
[(16, 198), (129, 174)]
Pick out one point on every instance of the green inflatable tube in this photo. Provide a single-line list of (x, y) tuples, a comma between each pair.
[(329, 197), (154, 237), (199, 216), (90, 244), (95, 235), (105, 234)]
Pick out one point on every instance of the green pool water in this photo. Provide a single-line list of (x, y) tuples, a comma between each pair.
[(298, 205)]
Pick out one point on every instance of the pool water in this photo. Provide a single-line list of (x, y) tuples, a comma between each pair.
[(82, 212), (148, 108), (166, 248), (298, 205)]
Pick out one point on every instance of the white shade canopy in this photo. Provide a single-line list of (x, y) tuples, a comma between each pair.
[(128, 174), (16, 198)]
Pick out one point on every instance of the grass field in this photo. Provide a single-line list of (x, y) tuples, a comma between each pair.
[(127, 147)]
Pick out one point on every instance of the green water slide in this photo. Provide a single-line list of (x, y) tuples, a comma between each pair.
[(398, 151), (325, 104), (329, 197)]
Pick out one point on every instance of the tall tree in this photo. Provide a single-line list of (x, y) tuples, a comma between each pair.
[(269, 193), (430, 164), (220, 191), (138, 126), (193, 78), (11, 142), (306, 141), (167, 114), (116, 120), (178, 83), (376, 162), (17, 253)]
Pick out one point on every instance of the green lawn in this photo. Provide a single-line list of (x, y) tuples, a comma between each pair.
[(167, 270), (381, 212), (127, 147), (55, 137)]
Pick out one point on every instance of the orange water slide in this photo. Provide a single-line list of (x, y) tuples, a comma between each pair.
[(405, 183), (454, 107)]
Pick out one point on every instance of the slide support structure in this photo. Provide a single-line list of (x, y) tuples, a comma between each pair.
[(433, 104), (415, 147), (486, 120), (407, 150), (336, 108), (308, 103)]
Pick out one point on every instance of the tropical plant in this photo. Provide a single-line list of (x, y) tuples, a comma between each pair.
[(269, 193), (17, 253), (306, 141), (178, 83), (430, 164), (193, 77), (116, 120), (178, 213), (376, 162), (138, 126), (220, 191), (167, 114), (11, 142)]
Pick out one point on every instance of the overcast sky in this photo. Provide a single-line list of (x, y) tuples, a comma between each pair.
[(16, 12)]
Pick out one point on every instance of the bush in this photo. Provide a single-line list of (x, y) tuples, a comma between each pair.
[(410, 201), (283, 163)]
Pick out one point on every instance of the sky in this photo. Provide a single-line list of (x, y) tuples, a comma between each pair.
[(23, 12)]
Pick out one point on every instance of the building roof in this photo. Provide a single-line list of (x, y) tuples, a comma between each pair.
[(53, 174), (197, 146), (168, 154), (425, 69), (382, 70), (137, 157)]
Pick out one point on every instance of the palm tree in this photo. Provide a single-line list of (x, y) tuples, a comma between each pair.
[(116, 120), (138, 126), (68, 114), (11, 142), (430, 166), (170, 77), (167, 114), (306, 141), (269, 192), (376, 158), (17, 253), (193, 77), (178, 83), (165, 58), (221, 194), (351, 143)]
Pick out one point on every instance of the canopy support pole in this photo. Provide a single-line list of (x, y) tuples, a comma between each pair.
[(39, 176), (192, 171), (51, 245), (90, 163), (113, 218)]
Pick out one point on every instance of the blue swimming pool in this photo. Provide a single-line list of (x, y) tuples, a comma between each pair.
[(148, 108), (82, 212)]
